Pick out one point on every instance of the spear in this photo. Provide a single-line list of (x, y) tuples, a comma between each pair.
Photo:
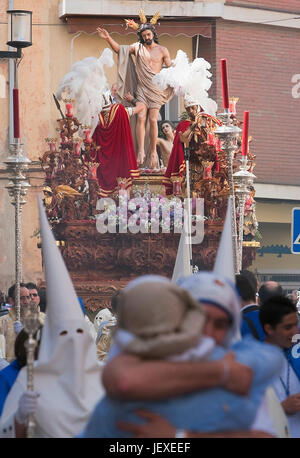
[(58, 106)]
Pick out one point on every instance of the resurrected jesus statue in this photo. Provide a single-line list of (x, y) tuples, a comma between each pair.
[(149, 59)]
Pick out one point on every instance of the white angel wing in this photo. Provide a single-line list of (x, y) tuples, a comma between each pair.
[(188, 78), (85, 83)]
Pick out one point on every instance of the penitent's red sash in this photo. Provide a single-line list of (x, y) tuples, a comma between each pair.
[(116, 154), (176, 164)]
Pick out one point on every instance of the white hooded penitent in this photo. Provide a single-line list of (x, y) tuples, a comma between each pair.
[(67, 373)]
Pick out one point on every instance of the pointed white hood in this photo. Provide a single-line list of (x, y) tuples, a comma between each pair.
[(182, 266), (224, 264)]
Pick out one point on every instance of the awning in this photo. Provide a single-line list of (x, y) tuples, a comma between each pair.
[(189, 28)]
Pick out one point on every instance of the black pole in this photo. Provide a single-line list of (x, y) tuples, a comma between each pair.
[(58, 106)]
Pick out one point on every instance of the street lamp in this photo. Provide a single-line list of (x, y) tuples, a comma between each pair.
[(20, 36), (20, 33)]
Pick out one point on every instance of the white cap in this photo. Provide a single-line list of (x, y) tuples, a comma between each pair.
[(190, 101), (211, 288)]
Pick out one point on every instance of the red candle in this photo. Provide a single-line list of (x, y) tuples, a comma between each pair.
[(16, 113), (218, 144), (207, 171), (210, 138), (93, 173), (224, 84), (87, 134), (232, 105), (64, 139), (69, 107), (245, 134), (52, 147), (78, 148)]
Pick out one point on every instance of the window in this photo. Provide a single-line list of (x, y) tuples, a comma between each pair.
[(170, 110)]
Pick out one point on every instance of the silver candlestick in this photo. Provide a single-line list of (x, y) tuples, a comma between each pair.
[(228, 134), (16, 164), (243, 179), (31, 325)]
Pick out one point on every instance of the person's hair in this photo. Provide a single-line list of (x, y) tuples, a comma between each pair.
[(166, 121), (31, 285), (274, 309), (251, 277), (144, 27), (266, 292), (11, 290), (43, 304), (20, 349), (245, 288), (114, 301)]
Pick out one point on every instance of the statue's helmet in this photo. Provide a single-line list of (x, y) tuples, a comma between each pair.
[(106, 98), (190, 101), (47, 189)]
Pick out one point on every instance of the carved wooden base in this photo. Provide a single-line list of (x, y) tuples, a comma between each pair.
[(100, 264)]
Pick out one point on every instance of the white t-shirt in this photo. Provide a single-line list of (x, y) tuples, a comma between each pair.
[(270, 416), (262, 421), (280, 386)]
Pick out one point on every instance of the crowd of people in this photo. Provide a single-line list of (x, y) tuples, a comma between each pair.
[(198, 358)]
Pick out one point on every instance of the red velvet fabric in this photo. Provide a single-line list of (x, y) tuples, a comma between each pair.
[(116, 154), (176, 164)]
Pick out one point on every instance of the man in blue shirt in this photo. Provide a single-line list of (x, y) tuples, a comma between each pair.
[(250, 323)]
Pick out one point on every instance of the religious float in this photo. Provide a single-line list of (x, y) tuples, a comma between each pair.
[(142, 239)]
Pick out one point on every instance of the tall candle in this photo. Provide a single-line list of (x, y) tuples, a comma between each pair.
[(210, 138), (93, 173), (52, 146), (87, 134), (69, 107), (224, 83), (78, 148), (16, 113), (64, 139), (218, 144), (245, 134)]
